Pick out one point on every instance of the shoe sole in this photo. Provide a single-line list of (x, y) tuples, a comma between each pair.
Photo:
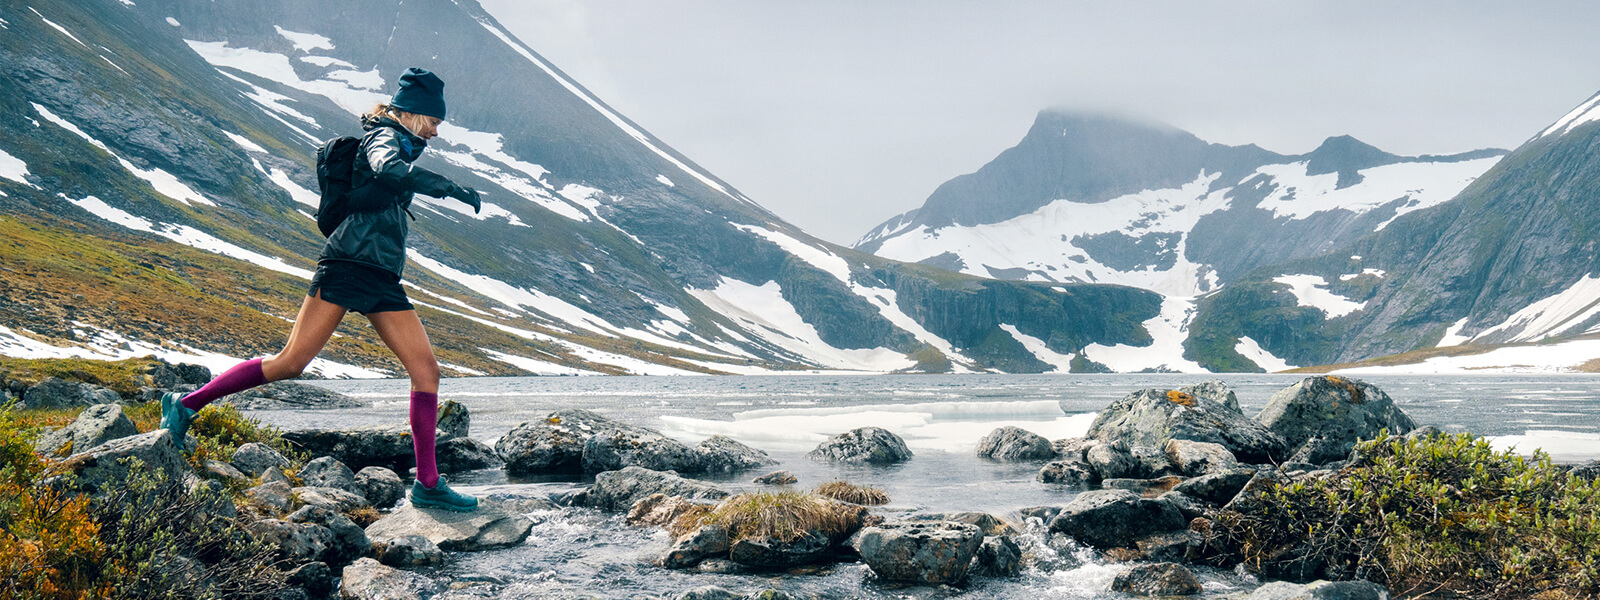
[(445, 507)]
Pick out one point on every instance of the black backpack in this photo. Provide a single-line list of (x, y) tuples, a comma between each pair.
[(345, 191)]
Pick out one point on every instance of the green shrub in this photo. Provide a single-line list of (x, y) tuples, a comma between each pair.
[(1445, 514)]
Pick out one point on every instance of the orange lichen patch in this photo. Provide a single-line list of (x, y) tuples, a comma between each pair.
[(1180, 398), (1354, 392)]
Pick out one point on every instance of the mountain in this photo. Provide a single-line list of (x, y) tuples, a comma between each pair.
[(1505, 275), (156, 196), (1095, 199)]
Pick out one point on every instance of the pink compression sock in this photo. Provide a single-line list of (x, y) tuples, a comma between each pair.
[(424, 418), (241, 377)]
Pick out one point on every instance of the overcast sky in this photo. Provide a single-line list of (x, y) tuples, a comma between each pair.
[(837, 115)]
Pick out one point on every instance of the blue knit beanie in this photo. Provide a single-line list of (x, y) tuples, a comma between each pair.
[(421, 92)]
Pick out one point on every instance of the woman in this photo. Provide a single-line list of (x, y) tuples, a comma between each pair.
[(360, 270)]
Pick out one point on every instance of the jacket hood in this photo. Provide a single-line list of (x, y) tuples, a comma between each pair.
[(369, 123)]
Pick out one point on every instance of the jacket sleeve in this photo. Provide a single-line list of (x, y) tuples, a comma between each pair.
[(383, 153)]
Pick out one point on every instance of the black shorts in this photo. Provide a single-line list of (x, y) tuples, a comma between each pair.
[(358, 287)]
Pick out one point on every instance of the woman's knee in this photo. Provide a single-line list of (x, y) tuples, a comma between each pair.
[(426, 373), (282, 367)]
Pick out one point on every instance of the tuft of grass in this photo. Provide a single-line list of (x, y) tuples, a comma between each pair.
[(784, 516), (1444, 515), (845, 491), (364, 516)]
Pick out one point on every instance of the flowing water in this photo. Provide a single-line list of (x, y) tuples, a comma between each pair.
[(580, 552)]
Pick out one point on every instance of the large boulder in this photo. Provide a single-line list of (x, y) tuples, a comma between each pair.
[(382, 487), (985, 522), (487, 528), (936, 552), (106, 468), (722, 454), (1334, 411), (368, 579), (327, 472), (96, 425), (553, 444), (628, 446), (1015, 443), (388, 446), (290, 395), (296, 542), (461, 454), (1215, 391), (54, 392), (1150, 418), (617, 491), (1159, 579), (1115, 518), (870, 445), (348, 541), (254, 459)]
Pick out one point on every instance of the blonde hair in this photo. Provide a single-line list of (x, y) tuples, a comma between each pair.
[(382, 110)]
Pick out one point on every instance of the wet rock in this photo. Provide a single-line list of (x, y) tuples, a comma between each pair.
[(280, 395), (276, 495), (553, 444), (487, 528), (1015, 444), (349, 541), (766, 552), (998, 556), (408, 551), (1068, 472), (709, 592), (1320, 590), (461, 454), (627, 446), (368, 579), (1151, 418), (1073, 448), (1193, 459), (333, 499), (54, 392), (316, 578), (719, 566), (770, 594), (1043, 513), (660, 510), (722, 454), (618, 490), (989, 524), (253, 459), (380, 486), (1217, 488), (776, 478), (870, 445), (693, 547), (96, 425), (1115, 518), (296, 542), (1172, 546), (1338, 410), (382, 446), (921, 552), (329, 473), (1160, 579), (454, 420), (106, 468)]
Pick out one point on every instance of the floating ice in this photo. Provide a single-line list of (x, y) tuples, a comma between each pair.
[(942, 426)]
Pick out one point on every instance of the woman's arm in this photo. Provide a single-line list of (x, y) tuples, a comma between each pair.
[(383, 153)]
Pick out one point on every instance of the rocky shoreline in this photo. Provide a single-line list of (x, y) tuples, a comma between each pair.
[(1150, 480)]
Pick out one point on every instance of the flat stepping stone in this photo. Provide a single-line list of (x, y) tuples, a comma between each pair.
[(490, 527)]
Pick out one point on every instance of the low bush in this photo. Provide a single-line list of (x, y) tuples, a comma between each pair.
[(845, 491), (1445, 515), (784, 516)]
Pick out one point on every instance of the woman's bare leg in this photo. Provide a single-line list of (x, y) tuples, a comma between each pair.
[(402, 332), (312, 328)]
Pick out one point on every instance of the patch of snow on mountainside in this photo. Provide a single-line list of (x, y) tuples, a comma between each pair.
[(761, 310), (162, 181), (1168, 330), (1312, 291), (276, 68), (1260, 356), (305, 42), (185, 235), (1379, 273), (14, 169), (607, 112), (1563, 357), (299, 194), (59, 28), (517, 298), (1041, 241), (1423, 185), (1584, 113), (1040, 350), (883, 299), (1552, 316), (1453, 337)]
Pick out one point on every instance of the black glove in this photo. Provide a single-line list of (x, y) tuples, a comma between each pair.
[(467, 195)]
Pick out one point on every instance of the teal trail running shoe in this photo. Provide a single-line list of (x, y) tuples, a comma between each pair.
[(441, 496), (175, 417)]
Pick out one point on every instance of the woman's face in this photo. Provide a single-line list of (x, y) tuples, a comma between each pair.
[(423, 126)]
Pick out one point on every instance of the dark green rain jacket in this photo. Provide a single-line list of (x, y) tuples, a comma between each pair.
[(378, 238)]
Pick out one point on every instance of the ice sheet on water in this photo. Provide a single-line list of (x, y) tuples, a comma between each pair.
[(940, 426)]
